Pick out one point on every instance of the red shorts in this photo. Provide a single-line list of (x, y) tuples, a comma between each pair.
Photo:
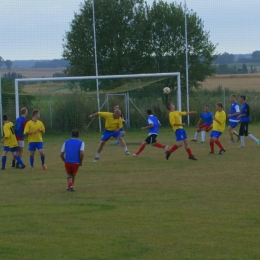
[(71, 168), (206, 126)]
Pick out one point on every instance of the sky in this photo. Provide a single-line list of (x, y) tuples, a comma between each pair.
[(34, 29)]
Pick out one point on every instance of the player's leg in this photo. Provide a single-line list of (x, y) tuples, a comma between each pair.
[(211, 142), (123, 144), (141, 148), (242, 133), (20, 151), (196, 135), (188, 150), (231, 133), (18, 159), (215, 139), (5, 151), (32, 149), (122, 132), (203, 134), (180, 135), (157, 144), (257, 141)]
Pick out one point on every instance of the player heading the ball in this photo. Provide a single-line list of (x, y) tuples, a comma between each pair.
[(113, 124)]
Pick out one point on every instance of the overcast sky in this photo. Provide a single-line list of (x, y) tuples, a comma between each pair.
[(33, 29)]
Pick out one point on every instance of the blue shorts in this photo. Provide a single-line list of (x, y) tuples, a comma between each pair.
[(180, 135), (35, 145), (233, 124), (8, 149), (216, 134), (107, 134)]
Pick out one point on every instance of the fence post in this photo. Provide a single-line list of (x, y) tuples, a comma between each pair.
[(51, 110)]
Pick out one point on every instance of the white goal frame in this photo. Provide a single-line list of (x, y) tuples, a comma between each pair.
[(173, 74)]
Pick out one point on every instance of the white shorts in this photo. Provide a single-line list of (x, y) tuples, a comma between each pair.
[(21, 144)]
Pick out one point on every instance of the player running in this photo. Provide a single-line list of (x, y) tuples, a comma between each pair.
[(180, 134), (113, 123), (219, 124), (72, 154), (19, 128), (34, 129), (153, 129), (10, 143), (207, 118), (233, 120)]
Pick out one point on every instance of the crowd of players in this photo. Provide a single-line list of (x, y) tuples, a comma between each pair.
[(72, 152)]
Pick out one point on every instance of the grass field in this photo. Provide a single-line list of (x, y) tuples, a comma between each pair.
[(134, 208)]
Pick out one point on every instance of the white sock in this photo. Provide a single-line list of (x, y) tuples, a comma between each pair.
[(252, 137), (203, 133), (97, 155), (125, 149), (196, 136), (242, 139)]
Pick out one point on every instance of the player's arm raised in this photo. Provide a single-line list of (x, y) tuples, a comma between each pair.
[(93, 115)]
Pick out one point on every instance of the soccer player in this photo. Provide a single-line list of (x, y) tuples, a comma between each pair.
[(19, 128), (122, 130), (10, 143), (113, 123), (244, 118), (233, 120), (206, 117), (72, 154), (219, 123), (180, 134), (34, 129), (153, 128)]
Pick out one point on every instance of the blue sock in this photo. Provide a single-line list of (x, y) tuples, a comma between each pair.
[(3, 161), (43, 158), (31, 161), (18, 159)]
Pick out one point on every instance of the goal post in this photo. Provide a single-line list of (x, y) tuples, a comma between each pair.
[(134, 77)]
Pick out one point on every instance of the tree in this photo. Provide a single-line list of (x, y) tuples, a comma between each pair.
[(225, 58), (256, 55), (1, 61), (8, 64), (133, 37)]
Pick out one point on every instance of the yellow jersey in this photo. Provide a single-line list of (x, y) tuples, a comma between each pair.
[(221, 117), (175, 118), (10, 140), (111, 123), (32, 126)]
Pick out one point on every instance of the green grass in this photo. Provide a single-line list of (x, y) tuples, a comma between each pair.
[(134, 208)]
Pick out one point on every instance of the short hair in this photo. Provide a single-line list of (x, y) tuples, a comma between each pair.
[(75, 133), (233, 95), (5, 117), (35, 111), (149, 111), (168, 105), (243, 97), (206, 105), (23, 110), (219, 105)]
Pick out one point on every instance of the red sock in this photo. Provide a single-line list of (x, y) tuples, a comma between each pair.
[(188, 150), (140, 149), (219, 145), (159, 145), (211, 143), (70, 184), (175, 147)]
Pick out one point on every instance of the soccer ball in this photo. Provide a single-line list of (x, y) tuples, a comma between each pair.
[(166, 90)]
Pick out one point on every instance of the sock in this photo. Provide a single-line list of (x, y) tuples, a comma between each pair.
[(174, 147), (13, 162), (203, 133), (3, 161), (217, 142), (125, 149), (252, 137), (42, 159), (140, 149), (196, 136), (18, 159), (70, 184), (97, 155), (159, 145), (242, 140), (188, 150), (211, 143), (232, 138), (31, 161)]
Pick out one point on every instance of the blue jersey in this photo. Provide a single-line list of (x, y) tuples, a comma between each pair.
[(19, 127), (72, 148), (207, 118), (156, 124), (245, 110), (234, 109)]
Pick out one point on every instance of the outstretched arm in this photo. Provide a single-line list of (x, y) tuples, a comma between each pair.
[(93, 115)]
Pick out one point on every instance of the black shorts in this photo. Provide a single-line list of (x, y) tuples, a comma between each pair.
[(243, 130), (151, 139)]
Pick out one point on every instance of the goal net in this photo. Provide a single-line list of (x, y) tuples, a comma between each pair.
[(66, 102)]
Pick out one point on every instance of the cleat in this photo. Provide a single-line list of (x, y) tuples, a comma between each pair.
[(211, 153), (166, 148), (202, 142), (31, 168), (2, 169), (222, 151), (257, 142), (193, 158), (127, 152), (68, 189), (231, 141), (135, 155), (44, 167), (71, 189), (96, 159), (21, 167), (167, 155), (13, 164), (193, 140), (241, 146)]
